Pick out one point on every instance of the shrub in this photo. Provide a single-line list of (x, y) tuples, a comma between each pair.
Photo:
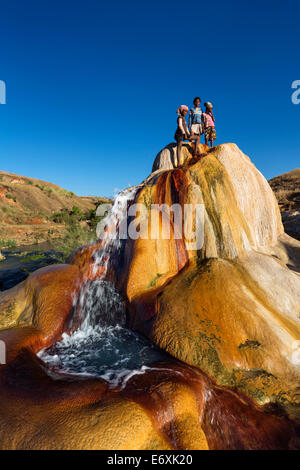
[(45, 190), (10, 196), (9, 243), (75, 237), (33, 257), (92, 219), (77, 213), (67, 217), (61, 217)]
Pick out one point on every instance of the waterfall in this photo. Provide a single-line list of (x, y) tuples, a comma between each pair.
[(99, 302), (102, 346), (115, 222)]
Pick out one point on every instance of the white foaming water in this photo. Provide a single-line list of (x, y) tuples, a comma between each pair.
[(102, 346), (116, 222), (92, 294)]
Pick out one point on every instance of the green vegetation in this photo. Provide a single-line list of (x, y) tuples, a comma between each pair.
[(34, 257), (66, 193), (10, 196), (154, 280), (75, 215), (80, 230), (9, 243), (45, 190), (68, 217), (92, 219), (49, 191), (75, 236)]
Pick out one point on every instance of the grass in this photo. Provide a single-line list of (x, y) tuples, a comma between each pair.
[(10, 196), (34, 257), (45, 190), (76, 234), (9, 243), (75, 237), (66, 193)]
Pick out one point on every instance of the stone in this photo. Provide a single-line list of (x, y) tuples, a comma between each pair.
[(227, 311), (208, 307)]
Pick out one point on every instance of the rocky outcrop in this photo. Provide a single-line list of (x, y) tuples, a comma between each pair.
[(291, 221), (232, 307), (166, 159), (287, 191), (228, 309)]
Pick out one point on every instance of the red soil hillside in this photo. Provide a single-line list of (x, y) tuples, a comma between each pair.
[(27, 204)]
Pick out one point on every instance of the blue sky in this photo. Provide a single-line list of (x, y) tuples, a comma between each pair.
[(93, 87)]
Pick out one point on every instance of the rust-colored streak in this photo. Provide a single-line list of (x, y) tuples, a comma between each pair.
[(179, 179), (178, 185), (24, 380), (229, 419), (232, 421)]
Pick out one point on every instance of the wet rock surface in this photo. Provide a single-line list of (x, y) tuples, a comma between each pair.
[(222, 313)]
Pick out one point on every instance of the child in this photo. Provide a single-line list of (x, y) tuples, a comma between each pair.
[(208, 121), (195, 118), (182, 133)]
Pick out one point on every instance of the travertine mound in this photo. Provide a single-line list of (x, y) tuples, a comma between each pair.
[(231, 307), (228, 309)]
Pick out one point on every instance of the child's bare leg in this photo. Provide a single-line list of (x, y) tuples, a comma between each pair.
[(197, 142), (211, 143), (195, 138)]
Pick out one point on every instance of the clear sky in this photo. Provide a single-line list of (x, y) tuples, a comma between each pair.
[(93, 86)]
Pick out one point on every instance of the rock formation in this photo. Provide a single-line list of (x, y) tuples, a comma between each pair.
[(287, 191), (227, 311)]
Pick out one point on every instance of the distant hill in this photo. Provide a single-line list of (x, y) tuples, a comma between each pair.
[(287, 191), (27, 206)]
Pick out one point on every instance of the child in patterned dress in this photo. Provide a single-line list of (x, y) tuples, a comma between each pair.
[(208, 122)]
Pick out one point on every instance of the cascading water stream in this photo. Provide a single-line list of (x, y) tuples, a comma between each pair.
[(115, 221), (98, 301), (102, 346)]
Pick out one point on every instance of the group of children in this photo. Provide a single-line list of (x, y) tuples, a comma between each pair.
[(199, 123)]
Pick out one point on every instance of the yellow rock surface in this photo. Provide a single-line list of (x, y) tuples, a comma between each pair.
[(232, 306), (34, 313), (38, 412)]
